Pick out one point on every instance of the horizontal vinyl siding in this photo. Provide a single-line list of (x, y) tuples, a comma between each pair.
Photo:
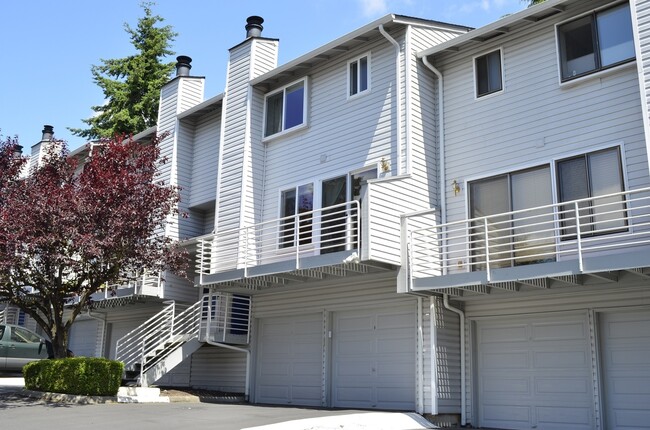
[(233, 145), (167, 123), (342, 134), (215, 368), (206, 158), (266, 56), (447, 326), (191, 92), (180, 289), (535, 119), (367, 292), (388, 199)]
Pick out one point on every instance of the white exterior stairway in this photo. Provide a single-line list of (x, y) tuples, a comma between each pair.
[(172, 335)]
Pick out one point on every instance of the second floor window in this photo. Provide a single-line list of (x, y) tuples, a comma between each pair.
[(359, 75), (285, 108), (488, 73), (597, 41), (587, 177)]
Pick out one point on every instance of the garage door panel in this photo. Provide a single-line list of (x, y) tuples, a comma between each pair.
[(559, 360), (625, 352), (544, 368), (290, 360), (373, 359)]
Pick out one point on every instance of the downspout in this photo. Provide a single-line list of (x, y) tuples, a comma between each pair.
[(434, 359), (398, 96), (248, 362), (441, 140), (420, 343), (463, 391)]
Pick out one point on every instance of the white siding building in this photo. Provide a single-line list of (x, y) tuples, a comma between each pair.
[(542, 243), (415, 216)]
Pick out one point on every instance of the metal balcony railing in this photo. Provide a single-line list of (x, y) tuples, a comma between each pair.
[(574, 230), (292, 238), (144, 284)]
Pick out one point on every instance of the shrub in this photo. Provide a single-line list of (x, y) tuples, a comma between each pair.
[(87, 376)]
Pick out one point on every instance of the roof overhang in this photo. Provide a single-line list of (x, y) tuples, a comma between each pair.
[(297, 67), (503, 26)]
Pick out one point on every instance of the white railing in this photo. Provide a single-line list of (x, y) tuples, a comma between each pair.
[(3, 316), (145, 284), (332, 229), (225, 318), (575, 230), (217, 317), (149, 335)]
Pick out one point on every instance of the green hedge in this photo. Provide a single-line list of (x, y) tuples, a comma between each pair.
[(87, 376)]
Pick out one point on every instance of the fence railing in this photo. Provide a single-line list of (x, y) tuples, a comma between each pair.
[(144, 284), (572, 230), (225, 318), (331, 229)]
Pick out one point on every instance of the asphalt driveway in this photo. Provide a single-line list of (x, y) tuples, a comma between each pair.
[(26, 413)]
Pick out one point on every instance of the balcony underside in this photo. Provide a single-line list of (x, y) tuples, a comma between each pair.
[(608, 268), (333, 266)]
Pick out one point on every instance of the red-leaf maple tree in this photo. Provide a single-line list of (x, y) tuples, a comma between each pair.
[(71, 227)]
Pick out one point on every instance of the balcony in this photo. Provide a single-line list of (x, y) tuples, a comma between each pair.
[(315, 245), (565, 242)]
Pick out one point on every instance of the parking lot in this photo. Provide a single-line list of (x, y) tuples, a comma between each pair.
[(28, 413)]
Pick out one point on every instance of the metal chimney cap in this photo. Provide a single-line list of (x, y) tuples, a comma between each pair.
[(48, 132), (254, 26), (183, 65)]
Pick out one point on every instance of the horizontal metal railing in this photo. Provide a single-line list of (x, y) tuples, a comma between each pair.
[(144, 284), (225, 318), (564, 231), (331, 229)]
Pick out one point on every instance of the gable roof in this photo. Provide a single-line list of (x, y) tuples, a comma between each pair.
[(295, 68), (503, 26)]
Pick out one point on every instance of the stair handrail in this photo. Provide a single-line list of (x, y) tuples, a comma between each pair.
[(129, 347), (185, 327)]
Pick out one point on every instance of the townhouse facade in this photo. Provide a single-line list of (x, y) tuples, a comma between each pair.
[(416, 216)]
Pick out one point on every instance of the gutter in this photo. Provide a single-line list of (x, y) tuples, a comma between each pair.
[(398, 96), (463, 390), (103, 322), (441, 140)]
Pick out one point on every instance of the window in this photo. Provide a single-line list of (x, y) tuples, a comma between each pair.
[(359, 75), (294, 202), (513, 239), (488, 73), (595, 42), (285, 108), (587, 177)]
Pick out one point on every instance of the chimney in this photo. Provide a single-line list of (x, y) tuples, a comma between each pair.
[(48, 133), (254, 26), (183, 65)]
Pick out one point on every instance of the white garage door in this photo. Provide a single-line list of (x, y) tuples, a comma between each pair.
[(374, 359), (84, 336), (290, 357), (625, 346), (534, 372)]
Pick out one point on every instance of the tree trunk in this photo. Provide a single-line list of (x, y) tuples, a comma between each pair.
[(60, 342)]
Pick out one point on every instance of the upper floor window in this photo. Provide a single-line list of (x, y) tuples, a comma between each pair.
[(489, 77), (595, 42), (285, 108), (584, 178), (359, 75), (296, 205)]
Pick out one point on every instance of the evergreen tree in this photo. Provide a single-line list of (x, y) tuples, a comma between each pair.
[(132, 84)]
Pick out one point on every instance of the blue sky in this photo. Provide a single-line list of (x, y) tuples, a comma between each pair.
[(49, 46)]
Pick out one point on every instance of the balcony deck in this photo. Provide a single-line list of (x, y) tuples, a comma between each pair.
[(599, 237), (315, 245)]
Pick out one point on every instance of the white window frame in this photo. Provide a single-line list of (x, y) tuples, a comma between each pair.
[(357, 60), (305, 109), (296, 189), (478, 96), (598, 71)]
